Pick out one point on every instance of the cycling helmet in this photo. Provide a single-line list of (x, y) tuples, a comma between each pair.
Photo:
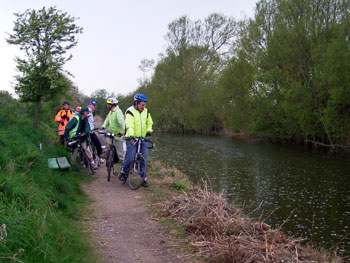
[(84, 109), (140, 97), (112, 101), (92, 102), (64, 103)]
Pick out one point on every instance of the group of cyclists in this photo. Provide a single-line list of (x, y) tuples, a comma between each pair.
[(136, 122)]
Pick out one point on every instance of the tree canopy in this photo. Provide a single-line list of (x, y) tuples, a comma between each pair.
[(45, 36), (283, 74)]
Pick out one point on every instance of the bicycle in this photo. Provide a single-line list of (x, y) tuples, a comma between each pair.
[(95, 156), (79, 157), (112, 156), (134, 177)]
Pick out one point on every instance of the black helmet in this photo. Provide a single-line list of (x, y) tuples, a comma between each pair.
[(84, 109), (66, 102)]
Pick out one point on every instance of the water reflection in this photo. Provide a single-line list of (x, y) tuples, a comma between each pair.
[(314, 186)]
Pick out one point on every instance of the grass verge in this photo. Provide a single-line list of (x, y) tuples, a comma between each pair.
[(208, 229), (167, 183), (39, 208)]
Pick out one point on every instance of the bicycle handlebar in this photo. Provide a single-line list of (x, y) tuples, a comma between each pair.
[(76, 137), (72, 142), (146, 140), (152, 144), (109, 134)]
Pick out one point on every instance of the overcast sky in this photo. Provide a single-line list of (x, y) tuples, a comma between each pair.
[(117, 36)]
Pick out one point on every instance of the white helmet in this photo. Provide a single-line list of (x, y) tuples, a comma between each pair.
[(112, 101)]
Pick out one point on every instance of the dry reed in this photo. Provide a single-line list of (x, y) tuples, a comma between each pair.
[(220, 233)]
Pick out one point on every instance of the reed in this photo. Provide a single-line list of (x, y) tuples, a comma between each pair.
[(221, 233)]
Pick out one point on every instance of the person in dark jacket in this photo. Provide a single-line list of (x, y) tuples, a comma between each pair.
[(78, 125), (92, 106)]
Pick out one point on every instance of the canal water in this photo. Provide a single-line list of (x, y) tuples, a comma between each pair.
[(310, 189)]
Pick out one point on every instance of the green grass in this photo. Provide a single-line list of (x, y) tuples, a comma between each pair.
[(39, 208), (178, 187)]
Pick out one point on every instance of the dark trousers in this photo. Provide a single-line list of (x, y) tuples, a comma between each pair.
[(62, 139), (96, 142)]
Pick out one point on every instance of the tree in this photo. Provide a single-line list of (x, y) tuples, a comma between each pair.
[(100, 96), (45, 36), (186, 77)]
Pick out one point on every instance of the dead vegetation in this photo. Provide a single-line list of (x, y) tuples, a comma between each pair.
[(220, 233)]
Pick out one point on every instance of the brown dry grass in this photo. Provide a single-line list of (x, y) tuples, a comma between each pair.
[(221, 233)]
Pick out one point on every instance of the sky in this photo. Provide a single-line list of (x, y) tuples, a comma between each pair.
[(117, 35)]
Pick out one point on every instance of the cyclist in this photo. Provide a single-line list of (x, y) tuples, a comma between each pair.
[(79, 124), (116, 125), (63, 117), (92, 106), (138, 123)]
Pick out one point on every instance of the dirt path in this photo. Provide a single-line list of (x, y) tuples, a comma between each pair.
[(122, 227)]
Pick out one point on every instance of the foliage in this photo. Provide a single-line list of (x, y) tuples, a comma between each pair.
[(101, 96), (283, 74), (39, 207), (44, 36), (183, 90)]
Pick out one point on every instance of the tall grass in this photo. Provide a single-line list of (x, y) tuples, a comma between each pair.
[(39, 207)]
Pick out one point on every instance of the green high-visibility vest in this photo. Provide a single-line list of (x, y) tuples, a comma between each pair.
[(73, 132)]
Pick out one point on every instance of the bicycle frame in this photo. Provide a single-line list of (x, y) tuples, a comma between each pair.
[(139, 141), (112, 151), (76, 145), (112, 136), (135, 176), (93, 150)]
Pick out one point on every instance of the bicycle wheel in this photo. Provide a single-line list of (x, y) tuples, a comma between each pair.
[(78, 159), (90, 167), (109, 164), (81, 161), (95, 155), (134, 178), (126, 176)]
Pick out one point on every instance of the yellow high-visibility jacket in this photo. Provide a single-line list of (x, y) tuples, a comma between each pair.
[(115, 122), (137, 123)]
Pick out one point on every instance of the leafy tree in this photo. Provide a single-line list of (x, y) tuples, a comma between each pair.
[(297, 73), (186, 76), (283, 74), (45, 36), (100, 96)]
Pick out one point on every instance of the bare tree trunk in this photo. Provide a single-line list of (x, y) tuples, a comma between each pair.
[(326, 130), (37, 105), (36, 114)]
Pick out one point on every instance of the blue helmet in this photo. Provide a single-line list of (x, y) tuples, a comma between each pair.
[(92, 102), (140, 97)]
